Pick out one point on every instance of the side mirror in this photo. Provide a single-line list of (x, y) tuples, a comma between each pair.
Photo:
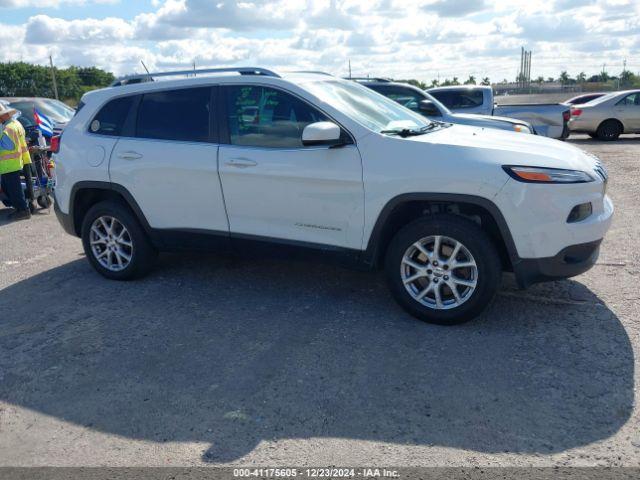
[(321, 133), (429, 109)]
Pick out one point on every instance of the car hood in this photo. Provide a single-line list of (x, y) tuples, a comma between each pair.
[(509, 148)]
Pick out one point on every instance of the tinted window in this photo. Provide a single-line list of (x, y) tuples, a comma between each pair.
[(175, 115), (583, 99), (459, 99), (265, 117), (633, 99), (110, 119)]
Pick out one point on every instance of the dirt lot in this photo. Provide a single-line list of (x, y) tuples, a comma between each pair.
[(213, 360)]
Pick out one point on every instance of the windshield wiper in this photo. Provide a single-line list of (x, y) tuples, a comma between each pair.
[(410, 132)]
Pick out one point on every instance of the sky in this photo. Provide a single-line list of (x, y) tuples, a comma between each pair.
[(425, 39)]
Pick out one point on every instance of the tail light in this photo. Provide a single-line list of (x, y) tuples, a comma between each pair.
[(566, 115), (54, 146), (576, 112)]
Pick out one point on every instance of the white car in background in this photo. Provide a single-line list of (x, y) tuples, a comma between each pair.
[(248, 158), (609, 116)]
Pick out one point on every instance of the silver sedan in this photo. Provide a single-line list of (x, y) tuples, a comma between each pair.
[(608, 116)]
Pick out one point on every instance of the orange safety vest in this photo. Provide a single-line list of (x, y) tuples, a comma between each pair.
[(13, 160)]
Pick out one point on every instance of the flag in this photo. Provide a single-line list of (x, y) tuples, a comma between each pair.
[(44, 123)]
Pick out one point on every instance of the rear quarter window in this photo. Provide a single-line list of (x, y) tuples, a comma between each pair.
[(111, 117), (460, 99)]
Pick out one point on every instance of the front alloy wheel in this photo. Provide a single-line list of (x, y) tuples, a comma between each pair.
[(439, 272), (443, 269)]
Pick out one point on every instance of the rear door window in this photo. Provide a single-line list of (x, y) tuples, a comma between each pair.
[(455, 99), (181, 115), (111, 118), (633, 99)]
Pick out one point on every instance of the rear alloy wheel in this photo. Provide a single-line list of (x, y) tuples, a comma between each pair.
[(443, 269), (609, 130), (111, 243), (114, 242)]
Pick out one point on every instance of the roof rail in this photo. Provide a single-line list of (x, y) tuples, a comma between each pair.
[(319, 72), (369, 79), (149, 77)]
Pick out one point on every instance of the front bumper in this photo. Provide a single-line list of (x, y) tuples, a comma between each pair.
[(569, 262)]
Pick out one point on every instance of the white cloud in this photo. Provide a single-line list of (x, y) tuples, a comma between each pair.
[(396, 38), (49, 3), (455, 8), (45, 30)]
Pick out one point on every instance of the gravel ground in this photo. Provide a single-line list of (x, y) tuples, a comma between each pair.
[(216, 361)]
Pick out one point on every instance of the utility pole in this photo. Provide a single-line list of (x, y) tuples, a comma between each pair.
[(53, 78), (349, 68), (529, 72), (520, 72)]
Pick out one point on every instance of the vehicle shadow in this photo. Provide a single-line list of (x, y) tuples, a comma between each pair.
[(232, 352)]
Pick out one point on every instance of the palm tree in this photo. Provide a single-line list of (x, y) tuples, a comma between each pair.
[(626, 78), (540, 79), (582, 77), (470, 81), (564, 77), (485, 81)]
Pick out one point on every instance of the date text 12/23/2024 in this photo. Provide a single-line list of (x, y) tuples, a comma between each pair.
[(331, 472)]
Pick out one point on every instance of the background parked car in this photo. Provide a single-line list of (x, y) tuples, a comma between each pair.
[(548, 119), (421, 102), (609, 116), (58, 112), (584, 98)]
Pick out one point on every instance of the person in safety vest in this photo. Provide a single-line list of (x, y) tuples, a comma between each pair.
[(14, 155)]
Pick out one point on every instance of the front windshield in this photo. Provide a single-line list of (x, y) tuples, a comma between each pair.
[(374, 111)]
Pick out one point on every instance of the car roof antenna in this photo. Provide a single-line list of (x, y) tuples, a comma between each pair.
[(146, 69)]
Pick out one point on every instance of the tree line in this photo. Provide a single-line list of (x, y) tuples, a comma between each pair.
[(626, 79), (20, 79)]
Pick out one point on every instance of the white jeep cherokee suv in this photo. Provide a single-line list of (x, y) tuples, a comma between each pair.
[(318, 164)]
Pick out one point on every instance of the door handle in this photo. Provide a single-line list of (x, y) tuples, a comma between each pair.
[(241, 162), (129, 155)]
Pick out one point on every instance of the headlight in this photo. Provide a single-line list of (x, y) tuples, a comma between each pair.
[(521, 128), (546, 175)]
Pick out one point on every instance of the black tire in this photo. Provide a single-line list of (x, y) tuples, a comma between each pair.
[(609, 130), (44, 201), (593, 135), (143, 254), (477, 243)]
